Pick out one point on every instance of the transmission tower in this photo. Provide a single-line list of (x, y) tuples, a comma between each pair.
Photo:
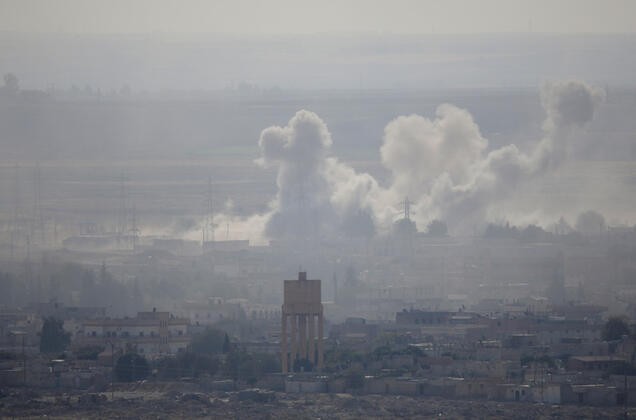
[(407, 208), (134, 229), (208, 223)]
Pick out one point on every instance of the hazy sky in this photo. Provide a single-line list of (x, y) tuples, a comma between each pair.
[(304, 16)]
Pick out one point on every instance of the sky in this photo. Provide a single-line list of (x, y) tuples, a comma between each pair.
[(304, 16)]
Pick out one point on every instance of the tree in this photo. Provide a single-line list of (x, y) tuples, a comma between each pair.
[(168, 368), (88, 352), (590, 222), (240, 365), (615, 328), (354, 379), (211, 341), (562, 227), (195, 364), (235, 365), (501, 231), (534, 233), (131, 367), (53, 338)]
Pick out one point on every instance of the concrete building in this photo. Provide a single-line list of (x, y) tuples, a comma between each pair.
[(150, 333), (211, 311), (595, 363), (302, 309)]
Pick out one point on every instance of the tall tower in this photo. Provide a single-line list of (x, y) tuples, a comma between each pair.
[(404, 231), (302, 309)]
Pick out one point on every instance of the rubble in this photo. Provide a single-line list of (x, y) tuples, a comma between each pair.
[(91, 399), (256, 395)]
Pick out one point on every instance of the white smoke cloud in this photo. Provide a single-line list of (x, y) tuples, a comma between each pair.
[(442, 165), (458, 184), (317, 194), (418, 150)]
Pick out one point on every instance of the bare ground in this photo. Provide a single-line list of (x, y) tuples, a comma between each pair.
[(269, 405)]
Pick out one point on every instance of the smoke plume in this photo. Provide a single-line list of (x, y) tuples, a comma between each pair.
[(442, 165), (317, 194)]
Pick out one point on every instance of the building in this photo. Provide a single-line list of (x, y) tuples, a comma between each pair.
[(595, 363), (302, 309), (213, 310), (149, 333), (416, 316)]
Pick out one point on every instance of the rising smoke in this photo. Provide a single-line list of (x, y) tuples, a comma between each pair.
[(312, 185), (442, 165)]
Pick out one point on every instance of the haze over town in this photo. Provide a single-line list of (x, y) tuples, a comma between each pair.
[(460, 181)]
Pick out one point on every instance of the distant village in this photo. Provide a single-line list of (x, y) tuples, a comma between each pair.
[(510, 315)]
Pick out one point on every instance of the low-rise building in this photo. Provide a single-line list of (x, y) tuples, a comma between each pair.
[(149, 333), (595, 363)]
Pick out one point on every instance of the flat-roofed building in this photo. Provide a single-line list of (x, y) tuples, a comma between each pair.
[(149, 333)]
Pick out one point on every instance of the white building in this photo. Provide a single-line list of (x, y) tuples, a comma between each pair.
[(149, 333)]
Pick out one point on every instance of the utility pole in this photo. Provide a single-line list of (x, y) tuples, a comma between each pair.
[(134, 230)]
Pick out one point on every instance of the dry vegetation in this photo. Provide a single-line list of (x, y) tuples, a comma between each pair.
[(167, 402)]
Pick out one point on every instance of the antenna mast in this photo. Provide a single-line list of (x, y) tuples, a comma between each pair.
[(407, 208), (208, 224)]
